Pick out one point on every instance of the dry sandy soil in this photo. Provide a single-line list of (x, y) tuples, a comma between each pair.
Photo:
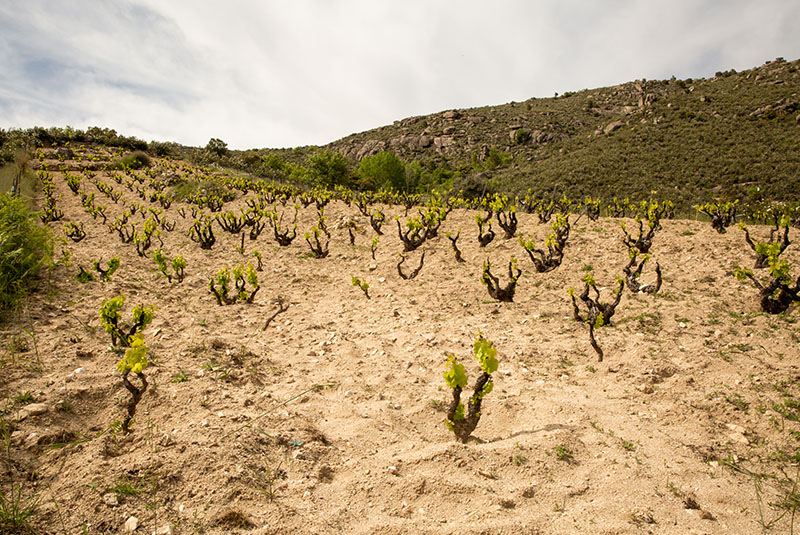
[(332, 419)]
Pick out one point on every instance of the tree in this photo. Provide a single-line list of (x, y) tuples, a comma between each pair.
[(217, 146), (384, 170), (328, 169)]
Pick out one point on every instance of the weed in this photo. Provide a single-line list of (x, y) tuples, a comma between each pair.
[(64, 407), (16, 510), (265, 480), (563, 453), (23, 398), (180, 377)]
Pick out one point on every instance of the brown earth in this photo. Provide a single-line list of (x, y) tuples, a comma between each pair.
[(331, 420)]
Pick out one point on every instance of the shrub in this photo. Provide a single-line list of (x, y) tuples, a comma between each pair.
[(134, 360), (521, 136), (110, 317), (463, 421), (383, 170), (598, 314), (135, 160), (776, 292), (24, 248), (217, 146), (328, 168), (221, 288)]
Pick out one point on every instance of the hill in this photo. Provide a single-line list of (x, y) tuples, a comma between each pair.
[(690, 140), (722, 138)]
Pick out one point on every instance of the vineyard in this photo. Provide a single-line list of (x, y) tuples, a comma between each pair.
[(213, 353)]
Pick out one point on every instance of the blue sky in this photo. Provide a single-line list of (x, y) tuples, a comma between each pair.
[(307, 72)]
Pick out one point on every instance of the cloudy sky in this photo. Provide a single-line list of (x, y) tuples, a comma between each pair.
[(282, 73)]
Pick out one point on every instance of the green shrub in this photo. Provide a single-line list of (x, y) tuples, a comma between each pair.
[(24, 248), (328, 168), (134, 160), (383, 170)]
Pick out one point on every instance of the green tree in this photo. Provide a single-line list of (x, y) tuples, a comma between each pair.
[(384, 170), (217, 146), (328, 168)]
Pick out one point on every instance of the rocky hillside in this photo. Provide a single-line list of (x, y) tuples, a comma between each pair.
[(694, 138)]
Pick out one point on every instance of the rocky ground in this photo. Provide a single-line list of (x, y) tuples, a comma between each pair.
[(331, 420)]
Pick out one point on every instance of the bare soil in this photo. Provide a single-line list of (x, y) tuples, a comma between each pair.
[(332, 419)]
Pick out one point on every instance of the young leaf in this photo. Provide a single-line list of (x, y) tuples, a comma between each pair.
[(455, 375)]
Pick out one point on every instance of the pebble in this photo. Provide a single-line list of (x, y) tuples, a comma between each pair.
[(131, 524), (111, 499), (35, 409)]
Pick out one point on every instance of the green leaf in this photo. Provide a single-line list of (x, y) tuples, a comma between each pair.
[(135, 359), (455, 375), (486, 354)]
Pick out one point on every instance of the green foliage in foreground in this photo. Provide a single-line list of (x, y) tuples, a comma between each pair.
[(25, 248), (111, 315), (16, 510), (460, 420)]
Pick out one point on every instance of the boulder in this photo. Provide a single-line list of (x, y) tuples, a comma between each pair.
[(370, 147), (613, 126), (442, 143)]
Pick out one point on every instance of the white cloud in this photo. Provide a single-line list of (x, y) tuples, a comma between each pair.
[(287, 73)]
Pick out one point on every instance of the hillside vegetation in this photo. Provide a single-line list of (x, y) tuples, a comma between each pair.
[(695, 140), (687, 139)]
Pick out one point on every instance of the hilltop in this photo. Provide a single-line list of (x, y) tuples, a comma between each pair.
[(693, 139)]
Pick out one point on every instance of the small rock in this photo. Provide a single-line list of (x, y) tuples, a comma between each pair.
[(166, 529), (34, 409), (131, 524), (373, 267), (17, 438), (646, 389), (111, 499), (738, 433), (393, 470)]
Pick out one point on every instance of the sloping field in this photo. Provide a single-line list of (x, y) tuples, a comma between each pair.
[(331, 420)]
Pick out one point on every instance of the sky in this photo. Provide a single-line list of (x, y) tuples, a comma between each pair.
[(287, 73)]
